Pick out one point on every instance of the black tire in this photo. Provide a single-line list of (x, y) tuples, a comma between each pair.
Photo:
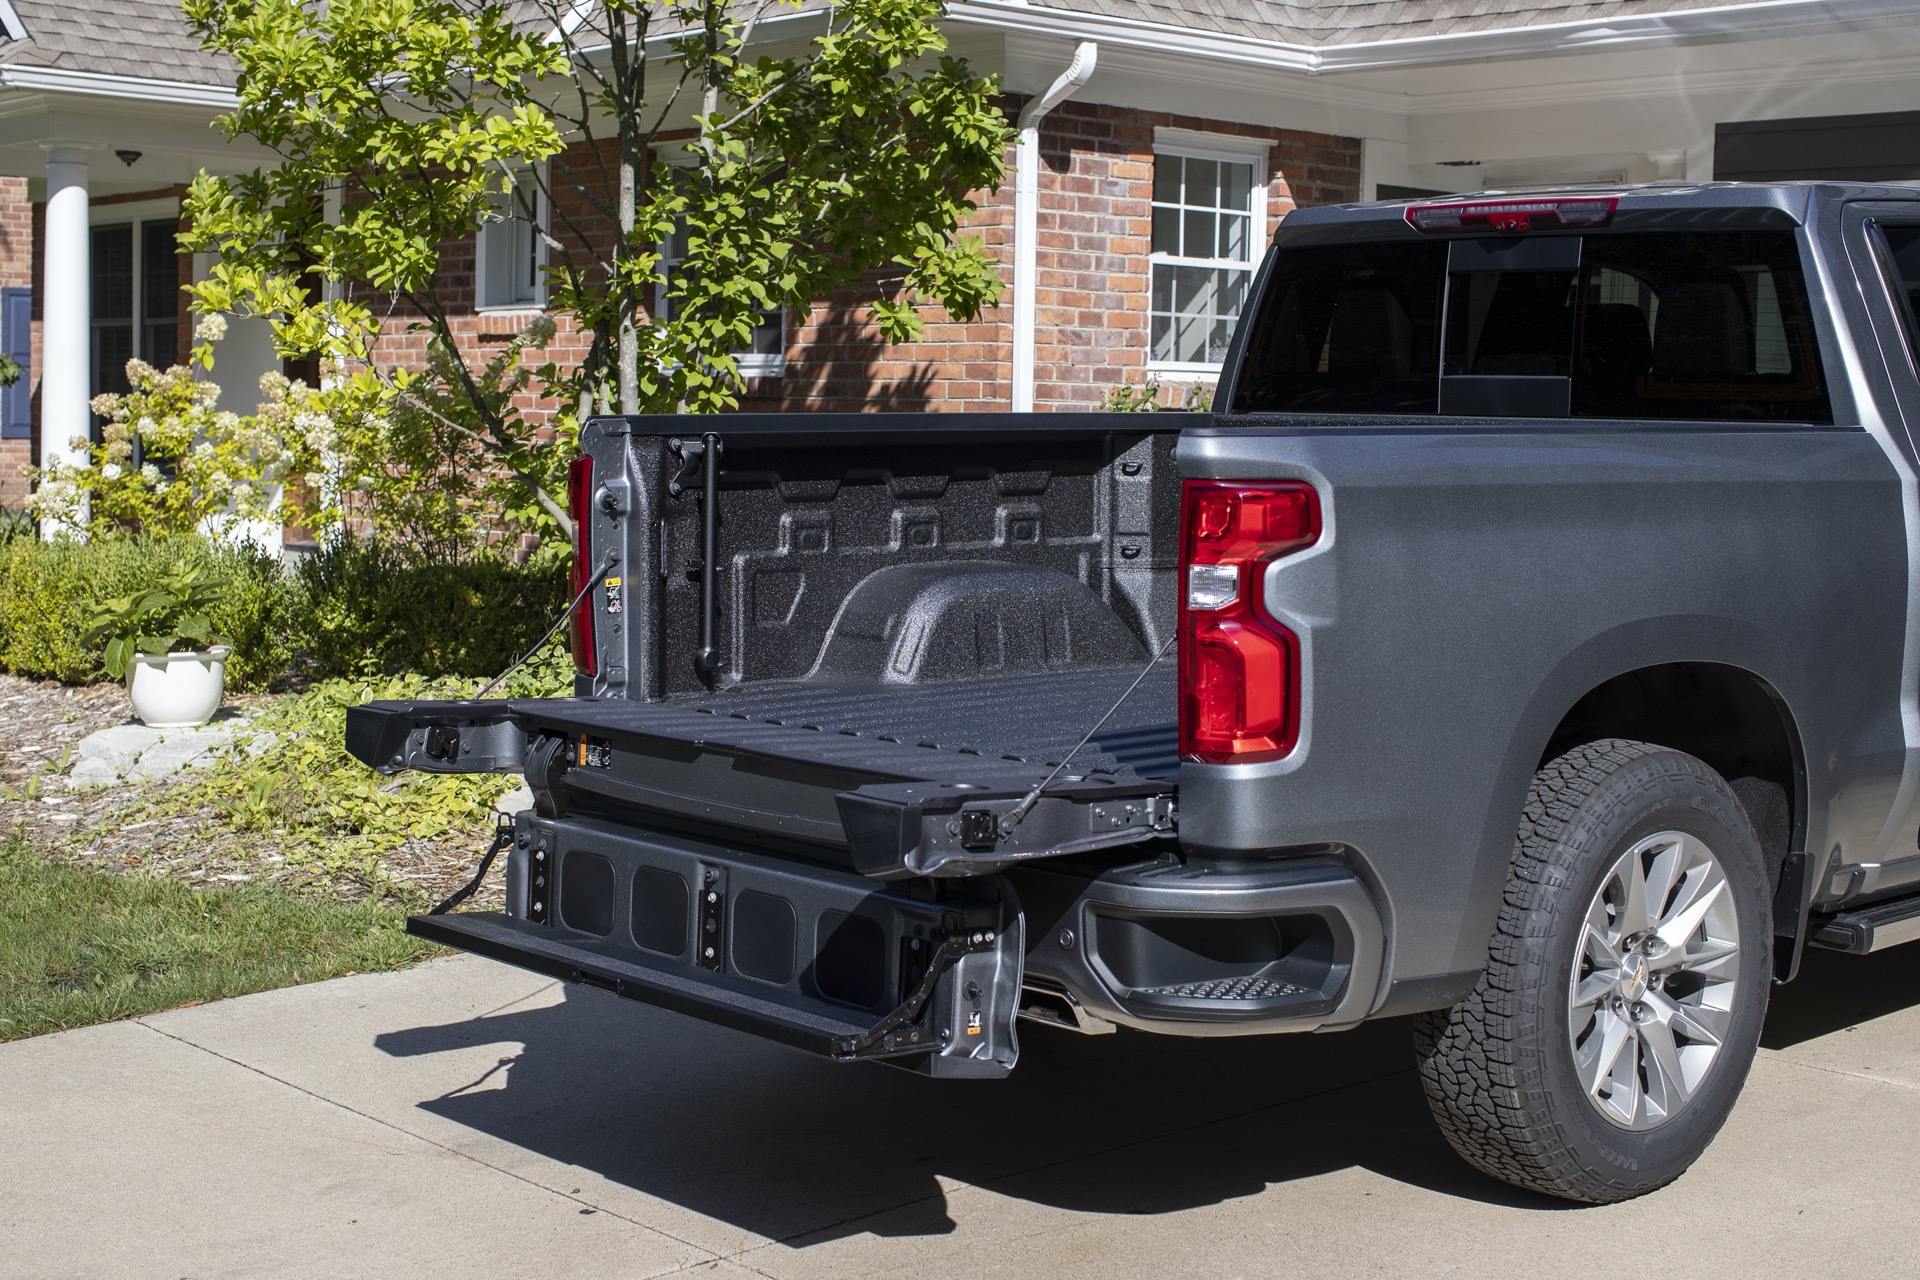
[(1499, 1068)]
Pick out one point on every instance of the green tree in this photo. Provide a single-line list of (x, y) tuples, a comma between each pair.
[(400, 125)]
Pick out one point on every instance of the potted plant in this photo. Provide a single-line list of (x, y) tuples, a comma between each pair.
[(161, 640)]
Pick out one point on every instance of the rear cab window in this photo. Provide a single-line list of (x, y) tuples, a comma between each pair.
[(1711, 325)]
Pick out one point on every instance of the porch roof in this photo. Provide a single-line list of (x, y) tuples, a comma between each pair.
[(131, 39), (1342, 22)]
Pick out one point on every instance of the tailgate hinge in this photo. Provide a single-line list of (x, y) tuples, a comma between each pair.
[(902, 1031)]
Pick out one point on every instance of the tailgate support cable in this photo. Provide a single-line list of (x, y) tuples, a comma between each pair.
[(1016, 815), (613, 558), (502, 837)]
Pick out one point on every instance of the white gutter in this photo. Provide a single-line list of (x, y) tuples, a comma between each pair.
[(1719, 21), (135, 88), (1026, 215)]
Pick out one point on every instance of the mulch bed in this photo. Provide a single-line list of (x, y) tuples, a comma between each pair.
[(121, 829)]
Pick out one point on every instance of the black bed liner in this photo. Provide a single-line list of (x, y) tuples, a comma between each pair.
[(913, 780)]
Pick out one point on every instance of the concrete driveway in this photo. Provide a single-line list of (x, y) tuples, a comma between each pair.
[(465, 1119)]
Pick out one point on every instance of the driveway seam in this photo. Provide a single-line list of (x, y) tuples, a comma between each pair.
[(710, 1255), (1775, 1055)]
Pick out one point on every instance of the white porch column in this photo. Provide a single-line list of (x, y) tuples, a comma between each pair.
[(65, 308)]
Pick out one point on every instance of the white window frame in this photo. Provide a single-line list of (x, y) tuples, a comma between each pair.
[(538, 302), (1189, 144), (752, 364)]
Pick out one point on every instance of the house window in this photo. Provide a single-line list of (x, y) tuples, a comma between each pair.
[(135, 286), (509, 252), (766, 353), (1207, 216)]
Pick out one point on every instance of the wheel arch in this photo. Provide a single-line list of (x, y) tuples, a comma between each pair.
[(1587, 696), (1727, 716)]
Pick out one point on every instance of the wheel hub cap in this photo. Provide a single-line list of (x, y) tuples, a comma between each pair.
[(1651, 995), (1633, 978)]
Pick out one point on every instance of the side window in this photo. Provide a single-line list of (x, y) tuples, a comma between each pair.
[(1901, 255), (1206, 216), (1712, 326), (1348, 329), (508, 251), (765, 355)]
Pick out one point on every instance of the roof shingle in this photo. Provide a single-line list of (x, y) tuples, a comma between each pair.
[(147, 39)]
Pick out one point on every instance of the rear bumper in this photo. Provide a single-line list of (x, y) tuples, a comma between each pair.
[(1203, 949), (929, 975)]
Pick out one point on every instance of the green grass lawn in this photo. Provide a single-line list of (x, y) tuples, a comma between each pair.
[(79, 946)]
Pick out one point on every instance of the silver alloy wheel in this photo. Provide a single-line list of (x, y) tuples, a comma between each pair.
[(1654, 980)]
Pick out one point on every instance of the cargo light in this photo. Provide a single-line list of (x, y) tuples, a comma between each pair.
[(1512, 217), (1239, 668), (580, 634)]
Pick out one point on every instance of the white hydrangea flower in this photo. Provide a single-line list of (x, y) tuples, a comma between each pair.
[(150, 473), (210, 328), (111, 471)]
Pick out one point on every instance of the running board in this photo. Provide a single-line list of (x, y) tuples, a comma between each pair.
[(1874, 928)]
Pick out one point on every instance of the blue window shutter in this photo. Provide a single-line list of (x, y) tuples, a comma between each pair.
[(16, 340)]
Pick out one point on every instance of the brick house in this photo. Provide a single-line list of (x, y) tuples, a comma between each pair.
[(1163, 143)]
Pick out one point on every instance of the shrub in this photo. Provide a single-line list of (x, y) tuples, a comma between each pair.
[(367, 611), (45, 588), (328, 814), (169, 462)]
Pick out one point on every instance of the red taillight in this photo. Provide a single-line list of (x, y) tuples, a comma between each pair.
[(1513, 216), (1239, 669), (586, 658)]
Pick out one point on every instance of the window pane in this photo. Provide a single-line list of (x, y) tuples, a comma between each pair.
[(1717, 326), (1348, 329), (1203, 183), (1190, 339), (1903, 265), (509, 248), (1166, 230), (1233, 237), (159, 270), (1236, 183), (1511, 324), (1166, 179), (769, 336), (1194, 311), (1193, 290), (112, 268), (1196, 239)]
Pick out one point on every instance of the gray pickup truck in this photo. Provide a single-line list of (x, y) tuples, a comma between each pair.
[(1527, 644)]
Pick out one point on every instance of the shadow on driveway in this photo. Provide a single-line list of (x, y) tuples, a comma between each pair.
[(792, 1148)]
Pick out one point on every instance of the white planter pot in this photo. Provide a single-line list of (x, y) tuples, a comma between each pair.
[(177, 690)]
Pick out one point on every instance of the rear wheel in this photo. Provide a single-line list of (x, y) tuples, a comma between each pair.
[(1625, 985)]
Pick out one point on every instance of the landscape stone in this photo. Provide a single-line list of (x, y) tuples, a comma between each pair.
[(521, 797), (119, 745), (91, 773), (170, 756)]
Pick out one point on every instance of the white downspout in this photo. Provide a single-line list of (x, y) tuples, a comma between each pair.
[(1026, 215)]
